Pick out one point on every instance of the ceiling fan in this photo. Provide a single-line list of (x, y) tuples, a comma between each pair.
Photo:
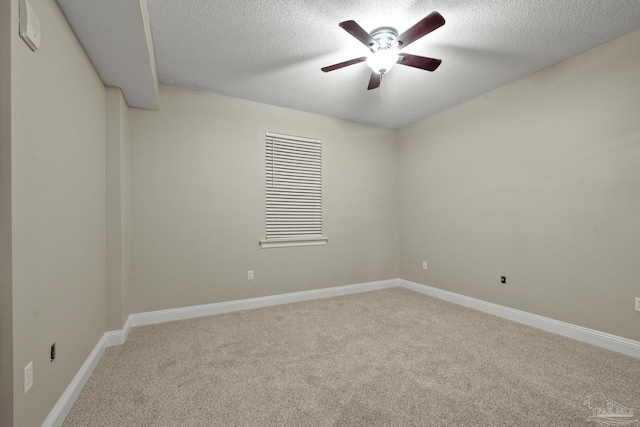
[(385, 45)]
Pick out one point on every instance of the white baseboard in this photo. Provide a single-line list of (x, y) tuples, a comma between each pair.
[(161, 316), (600, 339), (63, 406), (118, 337), (65, 403)]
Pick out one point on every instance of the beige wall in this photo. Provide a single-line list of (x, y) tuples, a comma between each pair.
[(118, 210), (198, 195), (6, 303), (539, 181), (58, 191)]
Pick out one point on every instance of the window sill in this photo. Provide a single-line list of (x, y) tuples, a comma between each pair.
[(283, 243)]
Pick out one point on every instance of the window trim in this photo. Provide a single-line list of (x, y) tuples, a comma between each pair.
[(283, 243)]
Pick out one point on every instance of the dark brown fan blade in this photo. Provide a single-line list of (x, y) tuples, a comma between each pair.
[(421, 62), (374, 81), (343, 64), (358, 32), (425, 26)]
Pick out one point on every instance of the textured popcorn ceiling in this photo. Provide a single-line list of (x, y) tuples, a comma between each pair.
[(271, 51)]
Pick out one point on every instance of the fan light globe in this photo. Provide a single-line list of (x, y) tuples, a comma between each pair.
[(382, 60)]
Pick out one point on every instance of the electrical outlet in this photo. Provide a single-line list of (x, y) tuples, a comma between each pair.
[(28, 377), (250, 275), (424, 265), (53, 352), (637, 303), (503, 280)]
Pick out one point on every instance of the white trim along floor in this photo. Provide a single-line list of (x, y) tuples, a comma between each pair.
[(63, 406)]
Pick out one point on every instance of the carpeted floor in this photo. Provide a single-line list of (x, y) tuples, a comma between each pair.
[(384, 358)]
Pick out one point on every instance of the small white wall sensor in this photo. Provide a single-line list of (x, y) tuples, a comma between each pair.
[(29, 26)]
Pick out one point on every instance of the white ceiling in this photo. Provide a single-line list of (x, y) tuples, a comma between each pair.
[(271, 51)]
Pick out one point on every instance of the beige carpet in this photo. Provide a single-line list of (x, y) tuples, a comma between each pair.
[(384, 358)]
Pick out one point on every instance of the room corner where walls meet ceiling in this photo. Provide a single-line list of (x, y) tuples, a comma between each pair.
[(117, 38), (273, 53)]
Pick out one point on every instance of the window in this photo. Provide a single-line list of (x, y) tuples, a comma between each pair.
[(294, 191)]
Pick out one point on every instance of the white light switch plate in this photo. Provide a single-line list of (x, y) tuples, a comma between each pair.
[(29, 26)]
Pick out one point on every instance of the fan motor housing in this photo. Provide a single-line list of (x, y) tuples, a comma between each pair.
[(385, 37)]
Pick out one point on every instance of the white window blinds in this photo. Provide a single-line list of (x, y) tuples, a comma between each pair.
[(294, 191)]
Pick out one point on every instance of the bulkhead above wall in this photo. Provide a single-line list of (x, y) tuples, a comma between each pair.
[(116, 35)]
